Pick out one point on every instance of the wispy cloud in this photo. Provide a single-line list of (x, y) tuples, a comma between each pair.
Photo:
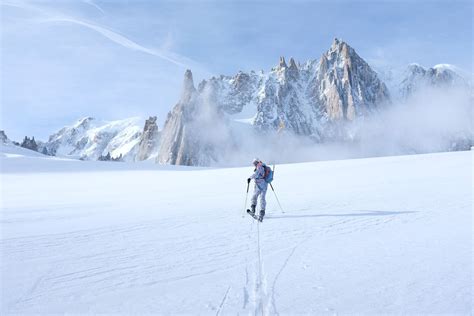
[(121, 40), (115, 36), (95, 5)]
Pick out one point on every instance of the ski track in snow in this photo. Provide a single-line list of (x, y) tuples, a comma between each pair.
[(246, 292), (89, 250), (100, 275), (261, 280), (223, 301), (275, 310)]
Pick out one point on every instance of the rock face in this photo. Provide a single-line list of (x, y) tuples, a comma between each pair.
[(176, 141), (339, 87), (149, 140), (183, 139), (29, 143), (3, 138), (346, 84), (89, 139), (305, 100)]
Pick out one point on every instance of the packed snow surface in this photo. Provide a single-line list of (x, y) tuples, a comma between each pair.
[(378, 235)]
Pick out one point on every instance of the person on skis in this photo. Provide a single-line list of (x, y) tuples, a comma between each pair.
[(260, 189)]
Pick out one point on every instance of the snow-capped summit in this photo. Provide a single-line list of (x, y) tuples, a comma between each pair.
[(446, 67), (417, 78), (89, 138), (83, 122)]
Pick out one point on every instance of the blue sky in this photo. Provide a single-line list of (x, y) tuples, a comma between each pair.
[(63, 60)]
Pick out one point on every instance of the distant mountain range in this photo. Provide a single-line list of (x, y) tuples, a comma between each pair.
[(320, 101)]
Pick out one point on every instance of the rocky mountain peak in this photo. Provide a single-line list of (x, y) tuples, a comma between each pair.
[(293, 65), (415, 68), (3, 138), (348, 86), (418, 78), (337, 45), (340, 51), (29, 143), (317, 99), (445, 75), (89, 138), (306, 101), (188, 85), (282, 63), (83, 122), (149, 139), (179, 136)]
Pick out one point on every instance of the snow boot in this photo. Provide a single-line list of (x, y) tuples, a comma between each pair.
[(262, 214), (252, 210)]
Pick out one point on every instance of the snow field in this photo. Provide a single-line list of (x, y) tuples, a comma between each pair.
[(378, 235)]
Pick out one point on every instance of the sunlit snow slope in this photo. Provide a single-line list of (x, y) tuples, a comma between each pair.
[(380, 235)]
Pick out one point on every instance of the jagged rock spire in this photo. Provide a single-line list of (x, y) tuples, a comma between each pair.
[(339, 46), (179, 140), (3, 137), (293, 64), (188, 85), (349, 86), (282, 62), (148, 140)]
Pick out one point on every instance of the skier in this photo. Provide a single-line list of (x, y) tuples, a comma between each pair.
[(260, 189)]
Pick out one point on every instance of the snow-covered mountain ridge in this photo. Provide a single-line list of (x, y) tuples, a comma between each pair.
[(302, 97), (333, 99), (417, 77), (311, 100), (89, 138), (329, 100)]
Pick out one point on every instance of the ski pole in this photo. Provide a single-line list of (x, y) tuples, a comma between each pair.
[(246, 198), (281, 208)]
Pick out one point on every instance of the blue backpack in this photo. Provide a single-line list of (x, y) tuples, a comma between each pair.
[(268, 177)]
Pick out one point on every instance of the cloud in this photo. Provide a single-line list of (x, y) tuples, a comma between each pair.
[(95, 5), (51, 17), (121, 40)]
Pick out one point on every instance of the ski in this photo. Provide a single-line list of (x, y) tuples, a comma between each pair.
[(255, 216)]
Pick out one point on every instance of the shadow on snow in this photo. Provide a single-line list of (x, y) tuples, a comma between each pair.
[(356, 213)]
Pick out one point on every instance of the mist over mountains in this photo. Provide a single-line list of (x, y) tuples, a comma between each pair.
[(331, 108)]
